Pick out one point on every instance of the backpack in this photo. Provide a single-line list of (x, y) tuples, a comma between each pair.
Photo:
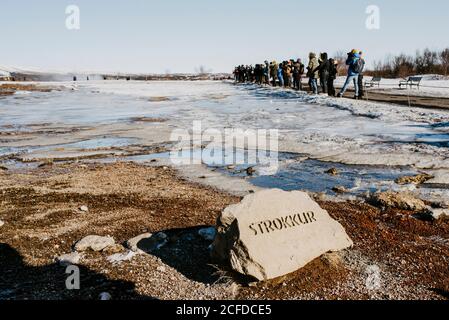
[(359, 66)]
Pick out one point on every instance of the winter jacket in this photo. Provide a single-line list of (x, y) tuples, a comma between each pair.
[(332, 70), (280, 73), (298, 68), (324, 66), (351, 62), (313, 65), (287, 70), (274, 70)]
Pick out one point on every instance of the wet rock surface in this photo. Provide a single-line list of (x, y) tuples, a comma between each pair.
[(397, 200), (418, 179)]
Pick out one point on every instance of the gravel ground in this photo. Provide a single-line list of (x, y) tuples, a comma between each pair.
[(395, 255)]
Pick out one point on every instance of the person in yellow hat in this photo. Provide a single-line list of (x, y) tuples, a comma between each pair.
[(355, 68)]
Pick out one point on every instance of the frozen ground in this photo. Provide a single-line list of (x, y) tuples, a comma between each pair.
[(100, 116)]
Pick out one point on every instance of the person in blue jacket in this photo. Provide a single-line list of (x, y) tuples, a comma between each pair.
[(281, 74), (354, 64)]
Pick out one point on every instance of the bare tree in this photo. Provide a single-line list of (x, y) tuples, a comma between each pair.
[(427, 62), (444, 57), (341, 57), (202, 70), (403, 66)]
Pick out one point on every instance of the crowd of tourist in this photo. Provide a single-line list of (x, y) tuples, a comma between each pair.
[(321, 73)]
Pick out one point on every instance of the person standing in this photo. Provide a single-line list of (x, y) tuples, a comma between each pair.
[(298, 71), (332, 77), (281, 74), (360, 79), (287, 72), (312, 72), (274, 73), (354, 64), (266, 72), (323, 71)]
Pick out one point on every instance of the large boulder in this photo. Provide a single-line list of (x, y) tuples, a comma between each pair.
[(272, 233)]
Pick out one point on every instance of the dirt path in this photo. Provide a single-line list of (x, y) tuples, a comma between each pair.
[(42, 220), (403, 100)]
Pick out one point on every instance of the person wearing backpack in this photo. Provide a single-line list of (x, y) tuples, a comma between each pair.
[(360, 79), (355, 67)]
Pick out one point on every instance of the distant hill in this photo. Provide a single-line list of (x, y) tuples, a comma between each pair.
[(20, 74)]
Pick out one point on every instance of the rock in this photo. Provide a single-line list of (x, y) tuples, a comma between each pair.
[(340, 189), (95, 243), (161, 269), (397, 200), (120, 257), (332, 172), (207, 234), (333, 260), (69, 259), (272, 233), (439, 213), (105, 296), (116, 248), (2, 168), (147, 242), (231, 167), (84, 209), (418, 179), (2, 223), (46, 163), (251, 171)]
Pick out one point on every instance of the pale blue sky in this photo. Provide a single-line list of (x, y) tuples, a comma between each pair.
[(180, 35)]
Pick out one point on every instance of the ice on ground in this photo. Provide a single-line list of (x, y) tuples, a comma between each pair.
[(329, 129)]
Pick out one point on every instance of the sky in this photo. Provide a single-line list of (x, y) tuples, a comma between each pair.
[(179, 36)]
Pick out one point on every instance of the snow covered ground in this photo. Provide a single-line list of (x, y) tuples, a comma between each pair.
[(356, 132), (431, 86), (318, 127)]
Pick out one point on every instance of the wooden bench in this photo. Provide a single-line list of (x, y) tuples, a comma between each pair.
[(374, 81), (411, 81)]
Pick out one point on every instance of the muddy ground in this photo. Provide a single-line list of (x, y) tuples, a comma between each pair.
[(7, 89), (404, 100), (42, 220)]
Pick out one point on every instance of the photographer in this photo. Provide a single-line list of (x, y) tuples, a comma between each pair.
[(355, 68)]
